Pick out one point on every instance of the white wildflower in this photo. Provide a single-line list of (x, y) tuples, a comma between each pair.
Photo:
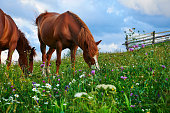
[(48, 86), (34, 89), (106, 86), (64, 104), (35, 97), (16, 95), (58, 85), (46, 102), (83, 75), (137, 84), (80, 94), (37, 85)]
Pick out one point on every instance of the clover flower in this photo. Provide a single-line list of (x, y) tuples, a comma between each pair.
[(132, 106), (123, 77), (131, 49), (143, 45), (93, 72), (163, 66), (131, 94)]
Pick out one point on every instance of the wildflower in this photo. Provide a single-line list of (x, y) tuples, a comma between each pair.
[(48, 85), (136, 46), (66, 88), (16, 95), (46, 102), (34, 89), (43, 81), (131, 49), (58, 85), (112, 69), (12, 86), (35, 97), (37, 85), (150, 69), (123, 77), (166, 79), (42, 65), (80, 94), (143, 45), (58, 79), (106, 86), (93, 72), (122, 91), (83, 75), (64, 104), (33, 83), (79, 69), (43, 90), (13, 89), (121, 68), (132, 106), (137, 84), (163, 66), (146, 53), (131, 94)]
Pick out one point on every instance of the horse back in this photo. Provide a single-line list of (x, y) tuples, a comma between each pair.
[(8, 31)]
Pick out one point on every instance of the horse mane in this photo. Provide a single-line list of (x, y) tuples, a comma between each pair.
[(25, 43), (85, 38)]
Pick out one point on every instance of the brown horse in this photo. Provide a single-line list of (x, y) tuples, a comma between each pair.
[(12, 38), (67, 30)]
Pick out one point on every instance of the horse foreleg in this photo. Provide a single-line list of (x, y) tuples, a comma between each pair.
[(58, 61), (49, 54), (73, 53), (43, 51), (9, 58)]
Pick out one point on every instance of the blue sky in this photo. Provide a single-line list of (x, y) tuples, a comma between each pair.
[(106, 19)]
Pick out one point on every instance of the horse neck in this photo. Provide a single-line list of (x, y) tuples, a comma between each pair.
[(23, 46)]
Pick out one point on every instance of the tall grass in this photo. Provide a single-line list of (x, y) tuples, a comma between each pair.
[(134, 81)]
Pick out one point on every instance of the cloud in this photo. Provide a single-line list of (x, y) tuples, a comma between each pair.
[(150, 7), (4, 55), (108, 47)]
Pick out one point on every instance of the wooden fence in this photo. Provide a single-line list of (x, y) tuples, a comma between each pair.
[(146, 39)]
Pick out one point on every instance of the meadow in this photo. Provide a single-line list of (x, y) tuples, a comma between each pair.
[(136, 81)]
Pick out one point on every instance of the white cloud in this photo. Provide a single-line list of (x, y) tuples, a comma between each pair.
[(150, 7), (40, 6), (4, 55), (108, 47), (110, 10)]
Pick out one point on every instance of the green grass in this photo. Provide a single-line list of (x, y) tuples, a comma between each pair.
[(146, 88)]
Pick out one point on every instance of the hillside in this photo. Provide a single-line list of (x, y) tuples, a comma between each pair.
[(133, 81)]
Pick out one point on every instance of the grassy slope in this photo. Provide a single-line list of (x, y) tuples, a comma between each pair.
[(146, 87)]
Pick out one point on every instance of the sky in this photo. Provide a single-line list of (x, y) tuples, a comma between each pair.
[(106, 19)]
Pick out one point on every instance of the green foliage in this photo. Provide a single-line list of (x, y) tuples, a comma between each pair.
[(141, 78)]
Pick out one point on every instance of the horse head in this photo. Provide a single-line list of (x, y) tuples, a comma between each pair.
[(92, 61), (26, 61)]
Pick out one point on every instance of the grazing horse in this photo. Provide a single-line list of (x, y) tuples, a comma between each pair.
[(66, 30), (12, 38)]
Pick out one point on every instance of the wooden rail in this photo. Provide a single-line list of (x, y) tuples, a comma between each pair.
[(146, 39)]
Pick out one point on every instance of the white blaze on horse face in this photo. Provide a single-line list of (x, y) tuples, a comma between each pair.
[(96, 62)]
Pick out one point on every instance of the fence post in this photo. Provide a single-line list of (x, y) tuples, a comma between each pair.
[(126, 43), (153, 37)]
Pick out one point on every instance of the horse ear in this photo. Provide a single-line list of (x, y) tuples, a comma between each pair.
[(97, 43), (33, 49)]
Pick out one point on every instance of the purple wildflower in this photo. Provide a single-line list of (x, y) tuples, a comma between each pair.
[(150, 69), (166, 79), (58, 79), (146, 53), (122, 91), (132, 106), (79, 69), (13, 89), (33, 83), (163, 66), (112, 69), (12, 86), (42, 65), (131, 49), (123, 77), (66, 88), (121, 68), (93, 72), (43, 81), (143, 45), (56, 92), (43, 90), (136, 46), (131, 94)]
